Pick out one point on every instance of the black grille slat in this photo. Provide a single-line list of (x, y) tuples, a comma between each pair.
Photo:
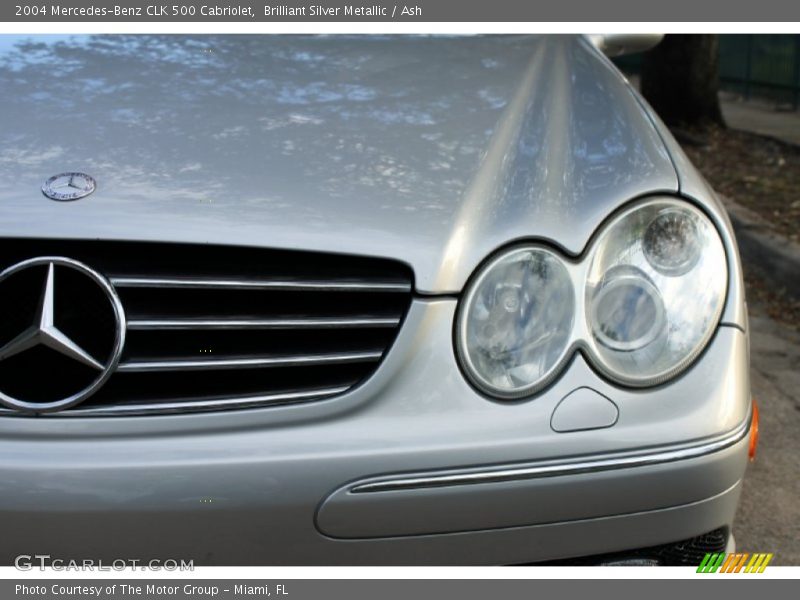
[(186, 261), (189, 344), (154, 388), (218, 327), (687, 553)]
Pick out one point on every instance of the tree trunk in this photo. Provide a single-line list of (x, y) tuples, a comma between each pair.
[(680, 79)]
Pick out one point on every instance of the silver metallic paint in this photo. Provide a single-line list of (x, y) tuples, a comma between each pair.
[(294, 142), (357, 512), (618, 44), (553, 468)]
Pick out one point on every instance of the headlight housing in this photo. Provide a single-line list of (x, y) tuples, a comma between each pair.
[(655, 289), (642, 303), (516, 322)]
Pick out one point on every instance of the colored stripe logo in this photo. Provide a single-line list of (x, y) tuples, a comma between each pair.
[(737, 562)]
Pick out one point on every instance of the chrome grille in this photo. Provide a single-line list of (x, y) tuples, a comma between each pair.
[(218, 327)]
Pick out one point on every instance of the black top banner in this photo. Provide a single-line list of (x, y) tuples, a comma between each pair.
[(419, 11)]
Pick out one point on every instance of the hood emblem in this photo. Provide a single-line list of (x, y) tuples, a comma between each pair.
[(62, 330), (65, 187)]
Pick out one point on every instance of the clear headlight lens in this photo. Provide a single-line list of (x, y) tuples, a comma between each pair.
[(515, 322), (655, 283), (655, 291), (671, 242), (627, 310)]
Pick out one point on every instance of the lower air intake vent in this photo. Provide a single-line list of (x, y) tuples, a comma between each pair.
[(207, 327)]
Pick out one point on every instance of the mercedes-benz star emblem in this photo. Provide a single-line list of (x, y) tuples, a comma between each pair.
[(62, 330), (68, 186)]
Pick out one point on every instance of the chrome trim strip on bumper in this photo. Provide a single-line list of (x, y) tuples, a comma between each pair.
[(228, 403), (258, 284), (555, 468), (130, 410)]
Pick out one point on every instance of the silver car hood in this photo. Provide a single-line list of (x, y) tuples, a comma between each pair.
[(432, 150)]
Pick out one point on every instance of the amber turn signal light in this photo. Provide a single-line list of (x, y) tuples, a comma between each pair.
[(753, 432)]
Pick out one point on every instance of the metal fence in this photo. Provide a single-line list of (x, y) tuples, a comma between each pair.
[(764, 66), (755, 66)]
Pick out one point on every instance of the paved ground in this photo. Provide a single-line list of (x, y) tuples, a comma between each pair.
[(761, 117), (769, 513)]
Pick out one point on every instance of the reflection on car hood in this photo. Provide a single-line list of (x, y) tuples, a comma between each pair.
[(434, 150)]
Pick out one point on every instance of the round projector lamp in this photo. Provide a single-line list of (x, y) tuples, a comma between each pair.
[(627, 311)]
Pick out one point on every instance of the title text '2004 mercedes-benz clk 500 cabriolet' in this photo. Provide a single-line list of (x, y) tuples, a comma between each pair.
[(357, 300)]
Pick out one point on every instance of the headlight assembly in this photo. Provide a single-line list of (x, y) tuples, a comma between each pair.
[(655, 289), (515, 325), (642, 303)]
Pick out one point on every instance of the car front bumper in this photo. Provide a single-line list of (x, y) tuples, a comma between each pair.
[(286, 485)]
